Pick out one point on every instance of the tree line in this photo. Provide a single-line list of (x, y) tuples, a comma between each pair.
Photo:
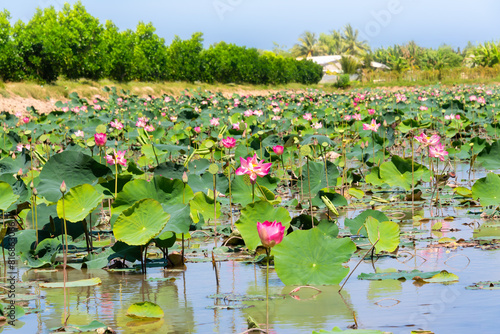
[(73, 44), (399, 58)]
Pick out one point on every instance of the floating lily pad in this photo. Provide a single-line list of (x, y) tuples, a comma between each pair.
[(356, 225), (145, 310), (484, 285), (442, 277), (73, 284), (405, 275)]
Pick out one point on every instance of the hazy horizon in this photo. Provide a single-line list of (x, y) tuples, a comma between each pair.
[(259, 23)]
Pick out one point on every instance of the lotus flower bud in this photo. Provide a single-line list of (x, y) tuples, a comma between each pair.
[(63, 188)]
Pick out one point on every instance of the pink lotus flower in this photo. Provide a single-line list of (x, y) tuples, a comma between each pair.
[(197, 129), (173, 118), (258, 113), (229, 142), (79, 133), (437, 151), (428, 141), (116, 124), (118, 157), (100, 139), (278, 149), (457, 117), (141, 122), (248, 113), (423, 108), (373, 126), (270, 233), (214, 121), (347, 117), (473, 98), (371, 111), (149, 128), (236, 126), (317, 125), (307, 116), (357, 117), (449, 117), (25, 120), (253, 168)]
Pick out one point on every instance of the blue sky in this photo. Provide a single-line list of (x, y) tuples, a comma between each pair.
[(259, 23)]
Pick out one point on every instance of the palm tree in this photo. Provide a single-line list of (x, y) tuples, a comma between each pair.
[(308, 45), (331, 44), (352, 45)]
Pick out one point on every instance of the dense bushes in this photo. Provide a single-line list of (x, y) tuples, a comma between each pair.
[(73, 44)]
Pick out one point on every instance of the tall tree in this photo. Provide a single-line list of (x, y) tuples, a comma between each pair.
[(308, 45), (353, 46)]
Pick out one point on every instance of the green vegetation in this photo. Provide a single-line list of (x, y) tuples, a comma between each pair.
[(72, 44)]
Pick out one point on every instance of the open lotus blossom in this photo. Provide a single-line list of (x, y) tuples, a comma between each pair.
[(149, 128), (79, 133), (235, 126), (317, 125), (371, 111), (307, 116), (449, 117), (214, 121), (258, 113), (116, 124), (373, 126), (248, 113), (253, 168), (437, 151), (428, 141), (278, 149), (357, 117), (118, 157), (270, 233), (423, 108), (347, 117), (100, 139), (228, 142)]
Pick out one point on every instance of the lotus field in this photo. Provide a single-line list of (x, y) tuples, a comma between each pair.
[(310, 189)]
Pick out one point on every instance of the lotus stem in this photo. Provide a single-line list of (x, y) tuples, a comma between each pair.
[(357, 265), (268, 253)]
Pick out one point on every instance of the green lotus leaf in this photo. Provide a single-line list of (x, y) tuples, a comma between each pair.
[(384, 234), (7, 196), (403, 274), (398, 172), (167, 192), (140, 223), (79, 202), (442, 277), (311, 258), (74, 168), (487, 190), (204, 205), (259, 212), (145, 310), (74, 284), (318, 178), (356, 225), (5, 308)]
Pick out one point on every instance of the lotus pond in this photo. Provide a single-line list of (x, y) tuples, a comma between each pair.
[(139, 214)]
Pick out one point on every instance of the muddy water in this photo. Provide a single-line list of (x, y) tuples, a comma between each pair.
[(388, 305)]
